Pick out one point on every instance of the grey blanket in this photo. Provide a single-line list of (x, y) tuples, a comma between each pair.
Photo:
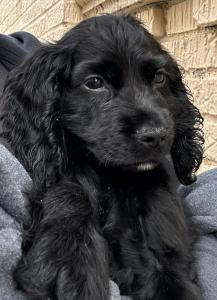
[(201, 197)]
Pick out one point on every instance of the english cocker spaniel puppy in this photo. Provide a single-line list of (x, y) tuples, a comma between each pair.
[(99, 119)]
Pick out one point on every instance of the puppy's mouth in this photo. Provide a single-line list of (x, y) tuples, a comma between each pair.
[(142, 166), (146, 166), (150, 164)]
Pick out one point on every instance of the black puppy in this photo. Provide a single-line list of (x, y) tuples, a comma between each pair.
[(94, 119)]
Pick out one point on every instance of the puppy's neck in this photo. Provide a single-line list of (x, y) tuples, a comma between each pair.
[(106, 186)]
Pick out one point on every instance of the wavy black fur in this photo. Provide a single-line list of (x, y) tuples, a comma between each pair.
[(96, 212)]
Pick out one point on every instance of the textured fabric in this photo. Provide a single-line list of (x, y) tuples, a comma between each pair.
[(201, 197), (14, 180)]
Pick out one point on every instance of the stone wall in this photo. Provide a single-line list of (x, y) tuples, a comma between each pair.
[(186, 28)]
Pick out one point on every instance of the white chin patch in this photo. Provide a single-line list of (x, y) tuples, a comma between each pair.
[(146, 166)]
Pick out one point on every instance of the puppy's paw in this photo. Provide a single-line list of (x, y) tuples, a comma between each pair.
[(192, 292), (33, 280), (48, 282)]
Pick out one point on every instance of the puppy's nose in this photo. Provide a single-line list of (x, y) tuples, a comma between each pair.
[(151, 136)]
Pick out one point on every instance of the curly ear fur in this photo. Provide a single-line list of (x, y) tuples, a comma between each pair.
[(187, 150), (31, 99)]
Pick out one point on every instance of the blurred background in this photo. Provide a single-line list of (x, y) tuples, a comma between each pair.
[(186, 28)]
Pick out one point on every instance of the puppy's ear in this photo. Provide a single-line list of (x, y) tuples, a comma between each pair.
[(187, 149), (30, 111)]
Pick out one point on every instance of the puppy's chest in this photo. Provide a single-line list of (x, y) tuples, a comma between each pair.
[(140, 227), (123, 222), (122, 214)]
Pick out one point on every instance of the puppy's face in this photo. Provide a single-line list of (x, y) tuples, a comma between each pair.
[(121, 103), (107, 89)]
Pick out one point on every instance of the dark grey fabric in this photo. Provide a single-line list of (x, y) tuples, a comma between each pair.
[(13, 178), (201, 198), (13, 49)]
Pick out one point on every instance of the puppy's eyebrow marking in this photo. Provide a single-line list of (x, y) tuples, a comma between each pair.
[(84, 66), (101, 67), (83, 69), (93, 66), (155, 61)]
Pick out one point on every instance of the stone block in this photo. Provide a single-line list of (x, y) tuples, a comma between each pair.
[(210, 129), (205, 12), (11, 11), (72, 12), (93, 8), (205, 93), (206, 165), (10, 5), (32, 13), (180, 17), (49, 19), (81, 3), (91, 4), (14, 14), (153, 19), (54, 34), (193, 50)]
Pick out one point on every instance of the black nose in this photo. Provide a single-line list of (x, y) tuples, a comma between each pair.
[(152, 136)]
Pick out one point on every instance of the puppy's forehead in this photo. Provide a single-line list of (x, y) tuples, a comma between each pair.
[(117, 37)]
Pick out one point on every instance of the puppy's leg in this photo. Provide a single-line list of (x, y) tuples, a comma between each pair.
[(177, 286), (157, 259), (67, 258)]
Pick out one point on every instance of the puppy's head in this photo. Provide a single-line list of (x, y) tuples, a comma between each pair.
[(110, 88)]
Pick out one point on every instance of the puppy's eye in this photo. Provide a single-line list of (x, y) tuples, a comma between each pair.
[(159, 78), (94, 83)]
